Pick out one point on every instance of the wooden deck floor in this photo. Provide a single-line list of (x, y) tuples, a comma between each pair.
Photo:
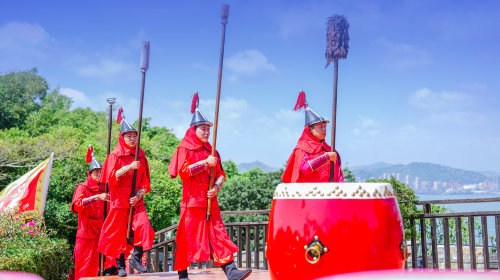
[(195, 274)]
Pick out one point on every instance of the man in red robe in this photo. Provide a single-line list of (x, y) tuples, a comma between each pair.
[(198, 239), (88, 203), (118, 171), (311, 159)]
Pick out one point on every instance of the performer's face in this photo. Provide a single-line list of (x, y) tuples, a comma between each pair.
[(130, 139), (203, 132), (318, 130), (96, 174)]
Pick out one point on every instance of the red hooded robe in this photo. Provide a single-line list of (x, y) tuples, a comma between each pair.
[(198, 239), (90, 220), (308, 148), (113, 239)]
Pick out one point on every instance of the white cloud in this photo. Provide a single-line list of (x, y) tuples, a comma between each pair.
[(249, 63), (79, 98), (19, 41), (402, 56), (108, 69)]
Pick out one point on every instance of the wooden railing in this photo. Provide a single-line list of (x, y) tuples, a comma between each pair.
[(250, 239), (432, 260)]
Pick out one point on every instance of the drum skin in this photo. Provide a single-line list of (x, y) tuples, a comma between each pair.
[(362, 230)]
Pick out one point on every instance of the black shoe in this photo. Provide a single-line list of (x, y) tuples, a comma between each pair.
[(183, 275), (136, 260), (110, 271), (120, 264), (232, 273)]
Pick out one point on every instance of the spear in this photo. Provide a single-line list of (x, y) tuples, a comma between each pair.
[(111, 101), (144, 68), (224, 14), (337, 47)]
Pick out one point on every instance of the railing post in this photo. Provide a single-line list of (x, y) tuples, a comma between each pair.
[(486, 253), (497, 231), (472, 244), (256, 246), (460, 253), (413, 245), (446, 232), (423, 241), (165, 258), (435, 263), (264, 244), (247, 245), (240, 247)]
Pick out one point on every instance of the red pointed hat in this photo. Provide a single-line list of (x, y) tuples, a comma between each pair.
[(126, 127), (94, 163)]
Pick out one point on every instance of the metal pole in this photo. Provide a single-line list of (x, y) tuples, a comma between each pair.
[(224, 16)]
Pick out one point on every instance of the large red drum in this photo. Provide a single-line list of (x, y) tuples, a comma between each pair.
[(320, 229)]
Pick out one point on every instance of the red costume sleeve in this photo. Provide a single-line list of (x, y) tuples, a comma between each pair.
[(145, 180), (78, 196), (177, 162)]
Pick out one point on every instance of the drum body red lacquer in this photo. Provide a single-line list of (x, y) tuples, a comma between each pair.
[(356, 227)]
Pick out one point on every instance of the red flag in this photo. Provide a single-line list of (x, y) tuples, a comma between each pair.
[(30, 191), (88, 159), (119, 118)]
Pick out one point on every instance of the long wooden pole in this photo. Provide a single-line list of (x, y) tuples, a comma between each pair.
[(224, 15), (137, 149), (334, 115), (111, 101)]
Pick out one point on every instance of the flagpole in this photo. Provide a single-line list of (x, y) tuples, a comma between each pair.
[(144, 68), (334, 115), (111, 101), (224, 15)]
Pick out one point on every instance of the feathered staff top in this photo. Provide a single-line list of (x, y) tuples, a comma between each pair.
[(337, 38)]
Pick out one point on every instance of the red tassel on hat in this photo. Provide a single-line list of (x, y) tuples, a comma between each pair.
[(88, 159), (301, 101), (119, 118), (195, 102)]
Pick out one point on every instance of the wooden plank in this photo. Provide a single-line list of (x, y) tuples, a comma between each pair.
[(160, 244), (240, 247), (230, 233), (161, 237), (156, 263), (460, 253), (247, 247), (264, 243), (200, 265), (256, 246), (148, 262), (165, 230), (459, 214), (165, 258), (486, 253), (472, 244), (457, 201), (246, 224), (413, 246), (446, 233), (246, 212), (497, 231), (434, 244), (423, 241)]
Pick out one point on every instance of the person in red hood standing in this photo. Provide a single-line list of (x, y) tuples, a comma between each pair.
[(310, 160), (88, 202), (118, 171), (198, 239)]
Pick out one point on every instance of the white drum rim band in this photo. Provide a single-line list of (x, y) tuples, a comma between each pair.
[(334, 191)]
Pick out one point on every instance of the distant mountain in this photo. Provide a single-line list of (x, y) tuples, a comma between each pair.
[(490, 173), (426, 172), (371, 166), (244, 167)]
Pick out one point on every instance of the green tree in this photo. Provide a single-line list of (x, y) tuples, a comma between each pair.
[(230, 168), (348, 174), (20, 94)]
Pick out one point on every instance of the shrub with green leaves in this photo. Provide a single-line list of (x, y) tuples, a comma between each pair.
[(27, 246)]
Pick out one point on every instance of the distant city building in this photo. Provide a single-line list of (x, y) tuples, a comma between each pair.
[(398, 176), (408, 177), (496, 181), (393, 175), (385, 176), (436, 185), (417, 183)]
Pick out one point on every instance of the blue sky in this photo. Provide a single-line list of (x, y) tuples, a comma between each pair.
[(420, 83)]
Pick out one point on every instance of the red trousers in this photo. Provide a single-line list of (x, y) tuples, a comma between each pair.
[(113, 240), (199, 240), (87, 258)]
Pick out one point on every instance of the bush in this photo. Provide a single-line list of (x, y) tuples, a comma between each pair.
[(27, 246), (407, 201)]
